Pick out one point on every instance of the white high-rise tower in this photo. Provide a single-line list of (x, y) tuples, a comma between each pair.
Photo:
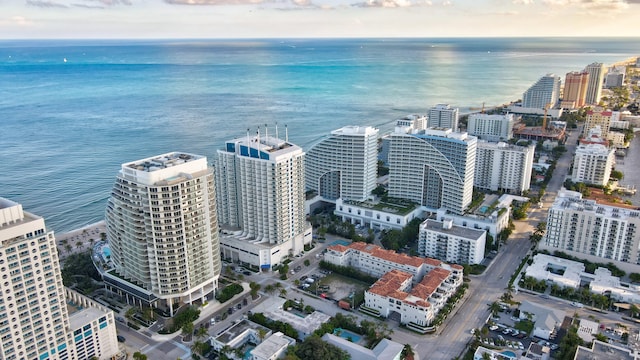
[(443, 116), (163, 232), (344, 165), (260, 184)]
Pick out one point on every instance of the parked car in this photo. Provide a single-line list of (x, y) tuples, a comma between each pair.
[(239, 306), (121, 338), (493, 327), (247, 273)]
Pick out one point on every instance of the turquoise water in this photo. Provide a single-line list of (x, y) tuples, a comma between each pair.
[(106, 252), (247, 353), (340, 242), (509, 353), (346, 334), (483, 209), (116, 101)]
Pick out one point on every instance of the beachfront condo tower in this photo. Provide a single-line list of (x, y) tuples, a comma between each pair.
[(596, 80), (260, 187), (163, 232), (344, 165), (491, 127), (443, 116), (575, 90), (543, 94), (432, 167), (39, 317)]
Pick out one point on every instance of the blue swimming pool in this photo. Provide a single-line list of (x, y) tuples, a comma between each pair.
[(247, 353), (340, 242), (509, 353), (483, 209), (106, 252), (347, 335)]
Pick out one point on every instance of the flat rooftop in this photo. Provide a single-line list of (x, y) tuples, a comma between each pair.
[(238, 329), (455, 230), (162, 161), (79, 317), (603, 351)]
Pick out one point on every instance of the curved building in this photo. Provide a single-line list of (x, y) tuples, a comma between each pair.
[(433, 167), (344, 165), (163, 232)]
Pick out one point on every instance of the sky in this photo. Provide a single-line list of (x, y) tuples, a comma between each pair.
[(144, 19)]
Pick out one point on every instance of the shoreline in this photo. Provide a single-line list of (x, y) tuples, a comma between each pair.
[(80, 239)]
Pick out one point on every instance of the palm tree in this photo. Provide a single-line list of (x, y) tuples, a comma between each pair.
[(407, 352), (634, 310), (283, 292), (201, 333), (262, 333), (269, 289), (494, 307), (506, 297), (187, 330)]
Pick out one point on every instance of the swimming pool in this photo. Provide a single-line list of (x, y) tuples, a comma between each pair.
[(483, 209), (106, 252), (509, 353), (340, 242), (347, 335)]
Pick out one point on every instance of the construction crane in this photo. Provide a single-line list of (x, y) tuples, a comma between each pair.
[(544, 118)]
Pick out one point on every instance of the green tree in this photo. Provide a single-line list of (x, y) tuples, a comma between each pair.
[(313, 348), (407, 352), (255, 287), (494, 307), (187, 330), (139, 356), (617, 175), (307, 262)]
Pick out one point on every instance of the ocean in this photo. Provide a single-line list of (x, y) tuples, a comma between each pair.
[(72, 111)]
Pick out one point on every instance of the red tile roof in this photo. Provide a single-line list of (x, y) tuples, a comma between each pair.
[(390, 284), (392, 256), (430, 283)]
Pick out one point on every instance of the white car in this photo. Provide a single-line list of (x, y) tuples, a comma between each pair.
[(493, 327)]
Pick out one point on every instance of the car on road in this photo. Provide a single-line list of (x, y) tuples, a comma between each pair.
[(577, 304), (239, 306), (544, 296), (212, 321), (121, 338), (247, 273)]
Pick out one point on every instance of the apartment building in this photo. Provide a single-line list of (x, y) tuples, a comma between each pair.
[(433, 167), (165, 203), (592, 164), (575, 90), (596, 80), (503, 167), (414, 288), (344, 165), (545, 93), (260, 186), (593, 231), (598, 117), (445, 241), (443, 116), (491, 127), (38, 319)]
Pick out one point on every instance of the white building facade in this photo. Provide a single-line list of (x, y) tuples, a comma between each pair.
[(545, 93), (595, 232), (503, 167), (36, 321), (443, 116), (370, 215), (434, 168), (344, 165), (592, 164), (260, 187), (415, 288), (488, 127), (445, 241), (163, 232)]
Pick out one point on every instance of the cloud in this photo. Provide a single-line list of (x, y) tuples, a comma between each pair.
[(46, 4), (21, 21), (393, 3), (523, 2), (213, 2), (592, 4)]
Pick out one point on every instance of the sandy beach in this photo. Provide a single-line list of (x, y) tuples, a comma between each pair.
[(79, 240)]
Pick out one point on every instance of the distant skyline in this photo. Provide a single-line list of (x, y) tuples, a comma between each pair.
[(77, 19)]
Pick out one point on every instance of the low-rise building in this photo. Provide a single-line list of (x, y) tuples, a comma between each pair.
[(238, 335), (537, 352), (545, 319), (493, 221), (616, 139), (413, 288), (385, 350), (445, 241), (272, 347), (604, 351), (480, 352), (377, 215), (587, 329)]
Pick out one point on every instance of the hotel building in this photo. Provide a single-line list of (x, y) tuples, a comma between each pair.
[(575, 90), (596, 79), (344, 165), (544, 93), (38, 319), (414, 288), (443, 116), (592, 164), (445, 241), (503, 167), (432, 167), (260, 186), (592, 231), (163, 232), (600, 118), (491, 127)]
